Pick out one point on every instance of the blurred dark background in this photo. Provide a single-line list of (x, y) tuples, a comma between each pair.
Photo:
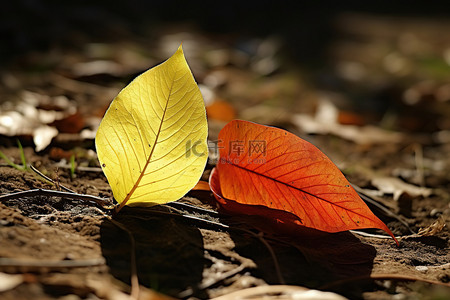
[(306, 27), (379, 63)]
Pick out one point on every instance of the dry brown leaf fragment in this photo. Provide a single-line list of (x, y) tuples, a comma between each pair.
[(325, 121), (397, 187), (433, 229), (37, 115), (10, 281)]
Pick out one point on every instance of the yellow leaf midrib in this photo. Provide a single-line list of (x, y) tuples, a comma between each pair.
[(136, 185)]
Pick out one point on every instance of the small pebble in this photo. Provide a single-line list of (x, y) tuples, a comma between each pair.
[(422, 268), (70, 256), (435, 212)]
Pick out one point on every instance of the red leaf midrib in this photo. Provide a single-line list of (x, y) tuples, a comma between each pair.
[(301, 190)]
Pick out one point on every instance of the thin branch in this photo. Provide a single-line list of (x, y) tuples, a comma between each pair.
[(103, 203), (191, 220), (49, 179), (191, 207), (81, 168), (378, 236)]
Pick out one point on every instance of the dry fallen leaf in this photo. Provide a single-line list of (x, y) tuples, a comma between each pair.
[(326, 122), (433, 229), (35, 114), (151, 142), (268, 171), (397, 187)]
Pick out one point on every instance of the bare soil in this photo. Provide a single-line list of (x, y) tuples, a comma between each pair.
[(64, 247)]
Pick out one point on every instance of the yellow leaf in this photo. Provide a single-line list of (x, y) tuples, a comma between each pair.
[(151, 142)]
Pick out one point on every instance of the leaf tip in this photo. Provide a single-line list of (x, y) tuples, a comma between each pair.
[(179, 54), (388, 231), (180, 48), (395, 239)]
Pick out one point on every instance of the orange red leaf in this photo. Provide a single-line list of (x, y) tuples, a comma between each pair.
[(268, 171)]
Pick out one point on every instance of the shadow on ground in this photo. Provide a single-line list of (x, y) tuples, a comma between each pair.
[(311, 261), (171, 255)]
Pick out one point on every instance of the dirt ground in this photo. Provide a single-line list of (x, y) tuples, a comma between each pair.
[(378, 109), (63, 247)]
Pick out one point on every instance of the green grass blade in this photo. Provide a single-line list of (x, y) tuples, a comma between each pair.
[(10, 162), (22, 156), (73, 166)]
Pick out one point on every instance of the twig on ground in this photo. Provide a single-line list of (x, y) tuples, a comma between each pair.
[(81, 168), (189, 219), (103, 203), (378, 236), (34, 264), (50, 180), (192, 207)]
